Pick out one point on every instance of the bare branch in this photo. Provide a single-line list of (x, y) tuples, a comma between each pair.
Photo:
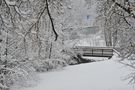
[(131, 66), (125, 9), (11, 17), (41, 13), (53, 28)]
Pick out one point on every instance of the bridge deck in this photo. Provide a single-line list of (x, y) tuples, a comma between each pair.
[(94, 51)]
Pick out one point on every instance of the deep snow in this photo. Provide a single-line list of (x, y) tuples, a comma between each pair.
[(103, 75)]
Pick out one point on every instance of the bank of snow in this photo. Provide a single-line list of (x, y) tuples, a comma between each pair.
[(103, 75)]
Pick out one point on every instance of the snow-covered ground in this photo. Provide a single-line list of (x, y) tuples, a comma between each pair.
[(103, 75)]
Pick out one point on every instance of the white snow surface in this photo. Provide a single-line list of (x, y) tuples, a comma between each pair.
[(102, 75)]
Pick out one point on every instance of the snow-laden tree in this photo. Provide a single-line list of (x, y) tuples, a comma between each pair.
[(30, 38), (117, 18)]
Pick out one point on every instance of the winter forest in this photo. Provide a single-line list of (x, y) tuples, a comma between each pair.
[(44, 44)]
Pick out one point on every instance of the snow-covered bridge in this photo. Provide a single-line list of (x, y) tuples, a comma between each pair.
[(94, 51)]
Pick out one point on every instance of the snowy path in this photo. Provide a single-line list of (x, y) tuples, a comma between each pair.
[(105, 75)]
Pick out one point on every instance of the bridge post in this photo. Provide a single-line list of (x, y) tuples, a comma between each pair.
[(102, 52), (92, 51)]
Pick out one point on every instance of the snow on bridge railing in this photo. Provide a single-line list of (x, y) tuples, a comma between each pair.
[(94, 51)]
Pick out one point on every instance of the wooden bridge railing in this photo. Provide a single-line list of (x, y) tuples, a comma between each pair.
[(94, 51)]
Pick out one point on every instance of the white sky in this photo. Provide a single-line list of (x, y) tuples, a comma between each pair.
[(81, 12)]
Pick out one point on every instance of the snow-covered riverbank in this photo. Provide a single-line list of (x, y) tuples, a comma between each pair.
[(104, 75)]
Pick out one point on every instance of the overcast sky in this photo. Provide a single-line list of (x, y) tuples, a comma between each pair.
[(83, 13)]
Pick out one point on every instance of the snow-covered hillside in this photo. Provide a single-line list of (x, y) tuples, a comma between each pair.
[(103, 75)]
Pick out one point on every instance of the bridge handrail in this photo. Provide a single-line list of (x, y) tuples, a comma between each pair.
[(88, 47), (94, 51)]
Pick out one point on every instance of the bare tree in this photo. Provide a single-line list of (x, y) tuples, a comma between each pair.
[(118, 21)]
